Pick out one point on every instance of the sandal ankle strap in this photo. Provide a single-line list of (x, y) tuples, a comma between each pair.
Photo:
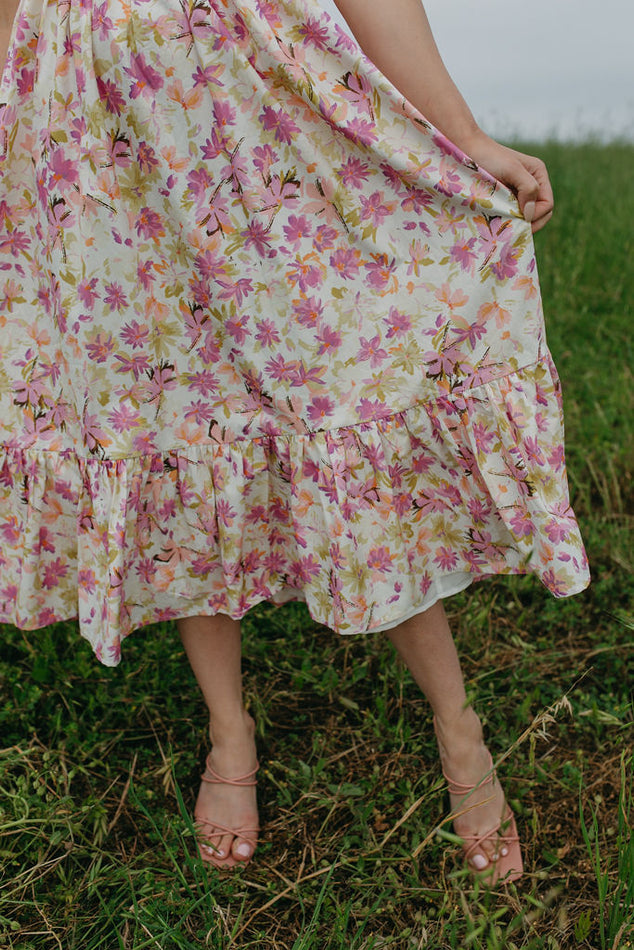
[(214, 778)]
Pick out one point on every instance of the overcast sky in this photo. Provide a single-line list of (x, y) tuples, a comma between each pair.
[(539, 68)]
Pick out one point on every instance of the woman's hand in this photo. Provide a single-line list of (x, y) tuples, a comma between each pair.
[(525, 175)]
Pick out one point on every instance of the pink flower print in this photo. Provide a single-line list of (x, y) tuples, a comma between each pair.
[(204, 382), (417, 200), (87, 293), (161, 379), (86, 581), (446, 559), (237, 328), (371, 350), (146, 79), (354, 173), (149, 224), (439, 364), (144, 274), (380, 272), (305, 272), (356, 89), (100, 348), (94, 436), (257, 235), (111, 96), (119, 150), (557, 531), (25, 81), (506, 266), (448, 181), (398, 324), (478, 510), (308, 311), (329, 339), (556, 459), (533, 449), (100, 21), (313, 33), (192, 21), (320, 408), (371, 409), (135, 334), (555, 584), (346, 262), (115, 297), (325, 238), (463, 252), (263, 158), (279, 369), (374, 209), (224, 114), (199, 412), (11, 530), (14, 243), (124, 418), (216, 145), (304, 569), (380, 559), (137, 365), (237, 291), (296, 229), (218, 217), (360, 131), (63, 170), (146, 568), (199, 181), (209, 76), (280, 123), (54, 572), (266, 333), (522, 524), (484, 437)]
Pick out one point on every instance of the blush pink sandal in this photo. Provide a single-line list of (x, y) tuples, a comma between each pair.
[(209, 830), (502, 868)]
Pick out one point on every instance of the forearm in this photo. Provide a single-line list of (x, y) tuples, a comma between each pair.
[(396, 36), (8, 10)]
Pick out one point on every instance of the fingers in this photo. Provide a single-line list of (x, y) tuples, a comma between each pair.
[(534, 192)]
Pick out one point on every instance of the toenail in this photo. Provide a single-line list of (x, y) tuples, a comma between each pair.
[(243, 850), (479, 862)]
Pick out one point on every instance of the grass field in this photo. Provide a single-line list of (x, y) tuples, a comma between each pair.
[(99, 767)]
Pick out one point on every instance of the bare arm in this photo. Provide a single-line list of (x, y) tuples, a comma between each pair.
[(8, 10), (396, 36)]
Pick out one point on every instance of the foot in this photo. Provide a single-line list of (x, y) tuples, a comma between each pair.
[(466, 760), (222, 806)]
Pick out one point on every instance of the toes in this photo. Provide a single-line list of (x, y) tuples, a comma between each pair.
[(480, 861), (242, 850)]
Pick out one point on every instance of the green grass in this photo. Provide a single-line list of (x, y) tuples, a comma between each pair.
[(99, 767)]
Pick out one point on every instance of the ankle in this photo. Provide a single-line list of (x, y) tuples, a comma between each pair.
[(458, 732), (228, 731)]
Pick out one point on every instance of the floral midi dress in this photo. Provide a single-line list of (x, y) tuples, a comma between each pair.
[(266, 334)]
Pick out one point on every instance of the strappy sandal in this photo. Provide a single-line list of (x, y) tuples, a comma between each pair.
[(216, 829), (502, 868)]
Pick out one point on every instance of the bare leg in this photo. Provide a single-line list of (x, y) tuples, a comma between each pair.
[(426, 645), (213, 647)]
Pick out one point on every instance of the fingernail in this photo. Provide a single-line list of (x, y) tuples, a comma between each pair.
[(479, 862), (243, 850), (529, 211), (505, 851)]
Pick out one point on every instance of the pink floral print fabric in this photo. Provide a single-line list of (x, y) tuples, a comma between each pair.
[(265, 333)]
